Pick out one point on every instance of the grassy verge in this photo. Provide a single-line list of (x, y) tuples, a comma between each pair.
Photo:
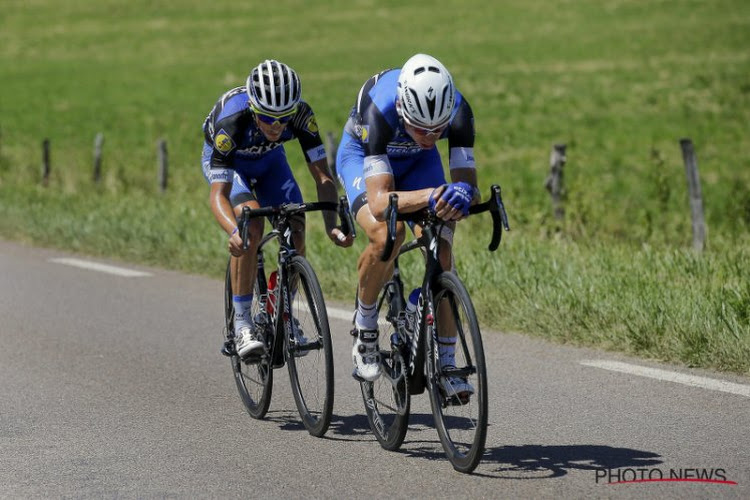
[(672, 305)]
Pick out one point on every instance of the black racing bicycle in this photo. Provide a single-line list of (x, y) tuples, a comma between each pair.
[(411, 363), (290, 319)]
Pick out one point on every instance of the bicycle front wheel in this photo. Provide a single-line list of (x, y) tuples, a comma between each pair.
[(253, 376), (458, 386), (309, 352)]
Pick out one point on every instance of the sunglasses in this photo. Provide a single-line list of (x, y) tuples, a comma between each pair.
[(428, 131), (271, 119), (425, 131)]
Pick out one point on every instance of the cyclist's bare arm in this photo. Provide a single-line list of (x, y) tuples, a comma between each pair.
[(379, 187), (224, 214), (326, 189)]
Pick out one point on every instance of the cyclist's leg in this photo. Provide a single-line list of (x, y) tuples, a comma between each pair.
[(242, 269), (373, 273)]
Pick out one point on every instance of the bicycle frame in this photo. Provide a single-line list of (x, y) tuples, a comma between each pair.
[(429, 241), (281, 231)]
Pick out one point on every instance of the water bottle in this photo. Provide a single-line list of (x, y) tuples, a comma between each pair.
[(272, 282), (411, 310)]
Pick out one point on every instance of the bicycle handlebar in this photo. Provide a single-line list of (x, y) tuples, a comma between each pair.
[(289, 209), (494, 205)]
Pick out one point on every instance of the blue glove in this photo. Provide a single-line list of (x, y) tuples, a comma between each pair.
[(459, 195), (431, 200)]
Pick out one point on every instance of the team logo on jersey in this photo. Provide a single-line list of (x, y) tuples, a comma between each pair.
[(223, 142), (312, 125), (365, 133)]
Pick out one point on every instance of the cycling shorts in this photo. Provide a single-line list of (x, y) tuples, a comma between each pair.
[(268, 179), (410, 173)]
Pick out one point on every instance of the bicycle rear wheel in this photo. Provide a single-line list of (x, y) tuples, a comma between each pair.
[(387, 399), (310, 364), (253, 376), (460, 419)]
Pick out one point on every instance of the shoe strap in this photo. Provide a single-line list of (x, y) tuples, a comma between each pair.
[(368, 335), (371, 358)]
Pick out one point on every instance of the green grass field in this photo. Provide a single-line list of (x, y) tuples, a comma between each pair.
[(618, 82)]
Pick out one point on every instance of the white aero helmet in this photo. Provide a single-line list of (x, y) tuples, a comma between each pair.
[(426, 92), (273, 88)]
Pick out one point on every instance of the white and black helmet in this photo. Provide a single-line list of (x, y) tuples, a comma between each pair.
[(273, 87), (426, 92)]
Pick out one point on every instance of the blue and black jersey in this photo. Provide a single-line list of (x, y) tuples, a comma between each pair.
[(234, 137), (375, 123)]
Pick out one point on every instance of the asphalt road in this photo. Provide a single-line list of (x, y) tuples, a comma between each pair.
[(113, 387)]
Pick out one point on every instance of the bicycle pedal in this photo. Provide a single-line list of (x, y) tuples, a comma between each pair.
[(458, 400), (228, 349)]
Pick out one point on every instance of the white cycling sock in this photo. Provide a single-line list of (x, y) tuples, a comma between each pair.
[(242, 304), (367, 316), (447, 350)]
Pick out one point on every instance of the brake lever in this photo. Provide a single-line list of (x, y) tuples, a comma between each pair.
[(391, 216), (346, 219), (245, 227), (499, 217)]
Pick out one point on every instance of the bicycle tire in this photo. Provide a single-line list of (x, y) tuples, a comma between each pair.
[(462, 436), (389, 428), (257, 397), (310, 366)]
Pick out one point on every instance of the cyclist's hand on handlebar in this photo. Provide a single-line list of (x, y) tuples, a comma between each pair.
[(235, 244), (453, 202), (339, 238)]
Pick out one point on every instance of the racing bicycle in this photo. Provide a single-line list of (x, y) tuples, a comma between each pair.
[(290, 318), (411, 363)]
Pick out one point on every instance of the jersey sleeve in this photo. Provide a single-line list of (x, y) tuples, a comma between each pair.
[(461, 137), (305, 128), (224, 144), (375, 134)]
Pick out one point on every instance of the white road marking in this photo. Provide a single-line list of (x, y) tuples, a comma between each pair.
[(335, 312), (104, 268), (679, 378), (348, 315)]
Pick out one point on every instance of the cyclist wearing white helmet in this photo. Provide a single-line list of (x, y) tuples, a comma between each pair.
[(389, 146), (245, 163)]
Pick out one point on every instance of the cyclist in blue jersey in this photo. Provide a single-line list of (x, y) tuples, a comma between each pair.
[(389, 145), (245, 163)]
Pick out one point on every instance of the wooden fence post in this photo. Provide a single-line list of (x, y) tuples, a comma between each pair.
[(98, 143), (162, 152), (45, 162), (694, 191), (554, 182), (331, 149)]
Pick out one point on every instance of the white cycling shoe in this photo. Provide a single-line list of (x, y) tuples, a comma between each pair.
[(456, 387), (246, 341), (366, 355)]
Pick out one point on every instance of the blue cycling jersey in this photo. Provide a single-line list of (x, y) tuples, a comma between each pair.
[(374, 122), (236, 140), (375, 142)]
